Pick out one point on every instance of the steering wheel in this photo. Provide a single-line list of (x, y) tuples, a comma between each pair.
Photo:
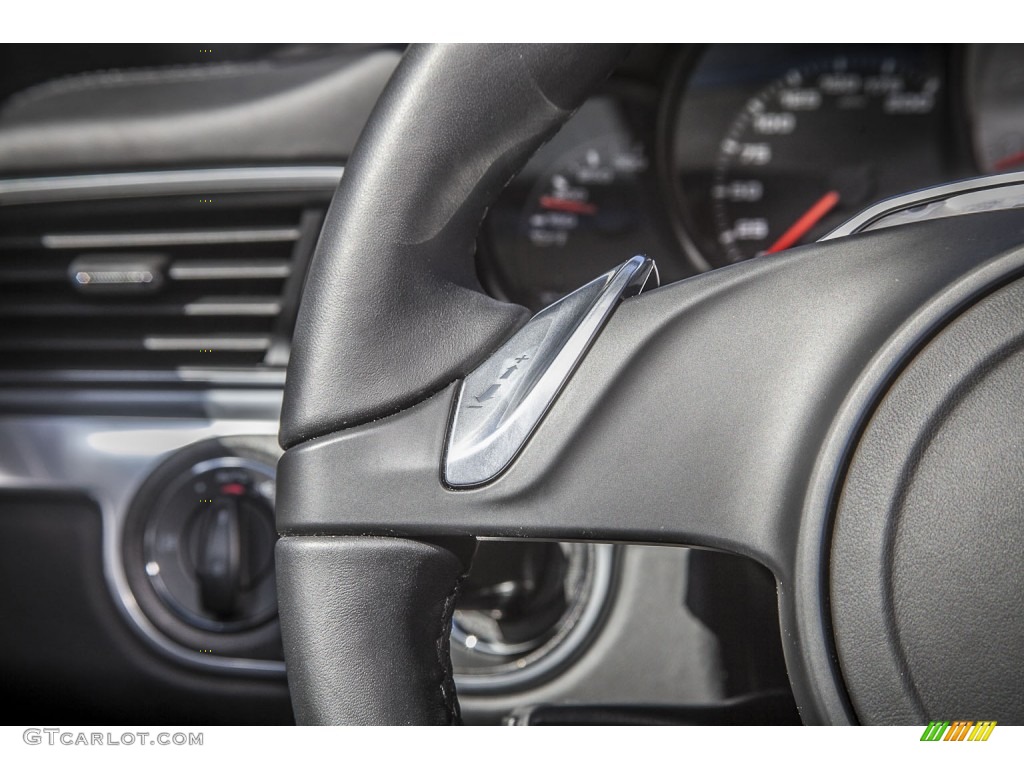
[(850, 414)]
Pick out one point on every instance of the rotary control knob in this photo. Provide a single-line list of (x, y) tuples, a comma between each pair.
[(209, 545), (231, 549)]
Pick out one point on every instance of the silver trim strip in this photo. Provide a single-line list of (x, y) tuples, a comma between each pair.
[(502, 401), (954, 199), (169, 183)]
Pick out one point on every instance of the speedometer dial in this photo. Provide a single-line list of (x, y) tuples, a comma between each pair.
[(806, 150)]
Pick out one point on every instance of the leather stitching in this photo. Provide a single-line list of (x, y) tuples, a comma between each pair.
[(449, 697)]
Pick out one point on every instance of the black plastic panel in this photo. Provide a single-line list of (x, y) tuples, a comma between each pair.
[(66, 654)]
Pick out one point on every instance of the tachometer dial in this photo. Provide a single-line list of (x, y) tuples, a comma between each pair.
[(813, 148)]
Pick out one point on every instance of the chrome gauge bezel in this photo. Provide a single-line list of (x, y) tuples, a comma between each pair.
[(149, 546), (513, 667)]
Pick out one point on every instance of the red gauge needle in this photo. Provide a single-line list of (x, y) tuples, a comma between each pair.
[(1010, 161), (568, 206), (803, 225)]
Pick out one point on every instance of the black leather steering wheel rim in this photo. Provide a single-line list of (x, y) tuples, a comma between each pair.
[(393, 311), (374, 543)]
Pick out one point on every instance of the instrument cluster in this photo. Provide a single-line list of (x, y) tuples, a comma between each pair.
[(721, 153)]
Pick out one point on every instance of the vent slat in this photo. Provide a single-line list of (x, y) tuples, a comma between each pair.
[(211, 343), (211, 306), (24, 276), (256, 269), (234, 306), (81, 241), (240, 343)]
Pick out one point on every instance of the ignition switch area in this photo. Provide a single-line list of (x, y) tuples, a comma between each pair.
[(526, 610), (209, 545), (199, 549)]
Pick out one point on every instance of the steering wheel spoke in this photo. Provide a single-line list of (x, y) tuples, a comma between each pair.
[(696, 417)]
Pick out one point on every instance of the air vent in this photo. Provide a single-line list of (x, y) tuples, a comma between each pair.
[(155, 283)]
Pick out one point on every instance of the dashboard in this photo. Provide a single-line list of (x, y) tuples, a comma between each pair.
[(157, 219)]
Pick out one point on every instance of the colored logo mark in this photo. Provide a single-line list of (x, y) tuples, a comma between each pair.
[(958, 730)]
